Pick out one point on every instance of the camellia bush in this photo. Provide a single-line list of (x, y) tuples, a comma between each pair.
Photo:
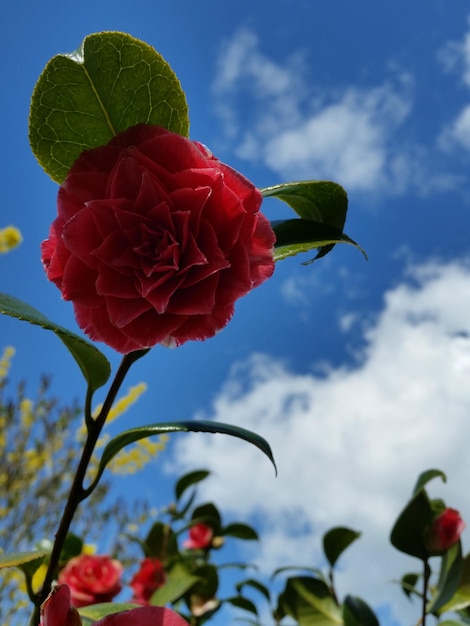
[(154, 241)]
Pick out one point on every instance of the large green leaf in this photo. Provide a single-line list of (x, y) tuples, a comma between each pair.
[(196, 426), (81, 100), (335, 542), (93, 364), (300, 235)]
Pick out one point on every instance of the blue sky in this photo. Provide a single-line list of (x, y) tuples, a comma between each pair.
[(356, 372)]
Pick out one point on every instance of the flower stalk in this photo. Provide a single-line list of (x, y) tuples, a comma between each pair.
[(77, 491)]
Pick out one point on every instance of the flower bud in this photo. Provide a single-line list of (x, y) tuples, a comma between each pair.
[(444, 531)]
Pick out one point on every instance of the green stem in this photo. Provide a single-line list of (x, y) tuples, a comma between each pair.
[(426, 577), (77, 492)]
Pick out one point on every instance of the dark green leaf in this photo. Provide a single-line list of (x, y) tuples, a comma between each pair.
[(425, 477), (135, 434), (291, 568), (207, 514), (93, 364), (409, 530), (357, 613), (408, 584), (208, 582), (243, 603), (160, 542), (255, 584), (299, 235), (316, 200), (188, 480), (449, 577), (241, 531), (335, 542), (83, 99)]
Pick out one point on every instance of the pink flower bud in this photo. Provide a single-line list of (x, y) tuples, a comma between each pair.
[(444, 531)]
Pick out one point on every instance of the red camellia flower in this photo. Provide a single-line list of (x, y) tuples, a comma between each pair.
[(150, 577), (155, 240), (92, 579), (200, 537), (445, 530), (57, 611)]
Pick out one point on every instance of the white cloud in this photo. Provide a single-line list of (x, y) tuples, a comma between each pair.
[(350, 444), (302, 132)]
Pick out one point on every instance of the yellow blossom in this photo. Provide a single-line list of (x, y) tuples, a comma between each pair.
[(10, 237), (5, 361)]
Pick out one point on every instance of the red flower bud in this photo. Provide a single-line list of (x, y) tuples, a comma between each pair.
[(444, 531), (200, 537), (149, 578)]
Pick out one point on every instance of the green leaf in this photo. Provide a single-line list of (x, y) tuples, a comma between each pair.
[(177, 584), (255, 584), (188, 480), (335, 542), (461, 598), (82, 100), (309, 601), (323, 202), (408, 584), (357, 613), (160, 542), (95, 612), (449, 577), (17, 559), (240, 531), (93, 364), (290, 568), (316, 200), (135, 434), (207, 514), (425, 477), (243, 603), (299, 235), (408, 532)]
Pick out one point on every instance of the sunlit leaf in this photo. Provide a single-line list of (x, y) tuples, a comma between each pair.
[(95, 612), (16, 559), (92, 363), (461, 598), (82, 100)]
